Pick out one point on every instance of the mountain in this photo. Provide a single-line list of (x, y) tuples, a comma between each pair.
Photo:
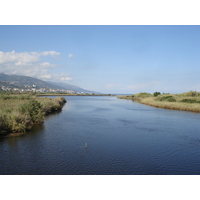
[(72, 87), (26, 80), (18, 80)]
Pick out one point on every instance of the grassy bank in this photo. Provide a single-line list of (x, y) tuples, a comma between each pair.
[(189, 101), (18, 113)]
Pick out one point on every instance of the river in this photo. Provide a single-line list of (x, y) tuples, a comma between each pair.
[(106, 136)]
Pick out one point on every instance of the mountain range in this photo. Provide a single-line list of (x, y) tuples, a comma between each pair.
[(19, 80)]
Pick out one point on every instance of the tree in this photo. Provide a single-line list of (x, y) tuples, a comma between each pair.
[(155, 94)]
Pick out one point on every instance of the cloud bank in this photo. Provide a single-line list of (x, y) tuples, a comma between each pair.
[(30, 64)]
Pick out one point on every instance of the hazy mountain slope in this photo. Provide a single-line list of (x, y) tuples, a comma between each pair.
[(72, 87), (26, 80)]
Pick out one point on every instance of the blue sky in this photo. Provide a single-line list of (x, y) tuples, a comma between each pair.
[(107, 59)]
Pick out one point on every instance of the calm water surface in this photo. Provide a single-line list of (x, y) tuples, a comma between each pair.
[(122, 137)]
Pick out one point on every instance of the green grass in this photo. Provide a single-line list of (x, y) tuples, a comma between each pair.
[(18, 113)]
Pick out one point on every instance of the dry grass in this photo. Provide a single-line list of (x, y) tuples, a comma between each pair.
[(189, 101), (151, 101)]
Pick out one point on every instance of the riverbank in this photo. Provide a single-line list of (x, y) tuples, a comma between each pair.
[(64, 94), (18, 113), (189, 101)]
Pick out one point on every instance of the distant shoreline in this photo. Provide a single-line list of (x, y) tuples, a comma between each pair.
[(189, 101), (62, 94)]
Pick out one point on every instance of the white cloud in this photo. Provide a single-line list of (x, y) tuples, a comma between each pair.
[(47, 76), (30, 64), (50, 53), (23, 58), (65, 79), (56, 77), (46, 64), (70, 55), (18, 58)]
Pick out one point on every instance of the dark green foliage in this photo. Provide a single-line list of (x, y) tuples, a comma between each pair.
[(3, 124), (167, 98), (155, 94), (190, 101)]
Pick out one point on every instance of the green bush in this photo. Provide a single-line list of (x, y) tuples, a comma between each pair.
[(49, 105), (190, 101), (166, 98), (33, 109), (155, 94), (18, 122), (3, 123), (191, 94)]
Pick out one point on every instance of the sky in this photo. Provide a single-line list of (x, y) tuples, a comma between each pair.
[(116, 59)]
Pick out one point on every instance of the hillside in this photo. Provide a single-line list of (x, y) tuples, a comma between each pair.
[(21, 81), (72, 87), (26, 80)]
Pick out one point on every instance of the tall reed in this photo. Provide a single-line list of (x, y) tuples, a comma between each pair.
[(19, 113)]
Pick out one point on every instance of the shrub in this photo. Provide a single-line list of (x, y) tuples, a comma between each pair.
[(49, 105), (191, 94), (33, 109), (3, 123), (190, 101), (60, 100), (166, 98), (155, 94), (18, 122)]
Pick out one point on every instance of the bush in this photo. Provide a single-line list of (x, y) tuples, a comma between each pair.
[(3, 124), (191, 94), (33, 109), (49, 105), (190, 101), (166, 98), (155, 94), (18, 122)]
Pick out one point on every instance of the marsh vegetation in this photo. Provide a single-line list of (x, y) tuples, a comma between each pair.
[(189, 101), (18, 113)]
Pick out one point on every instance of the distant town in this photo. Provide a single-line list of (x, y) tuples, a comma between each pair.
[(15, 87)]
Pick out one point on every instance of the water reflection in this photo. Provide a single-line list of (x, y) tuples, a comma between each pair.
[(13, 141)]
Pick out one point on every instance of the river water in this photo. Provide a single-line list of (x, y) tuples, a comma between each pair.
[(106, 135)]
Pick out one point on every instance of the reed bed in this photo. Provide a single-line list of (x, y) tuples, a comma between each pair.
[(189, 101), (177, 105), (18, 113)]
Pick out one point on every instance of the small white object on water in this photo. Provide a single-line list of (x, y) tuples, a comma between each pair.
[(86, 145)]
